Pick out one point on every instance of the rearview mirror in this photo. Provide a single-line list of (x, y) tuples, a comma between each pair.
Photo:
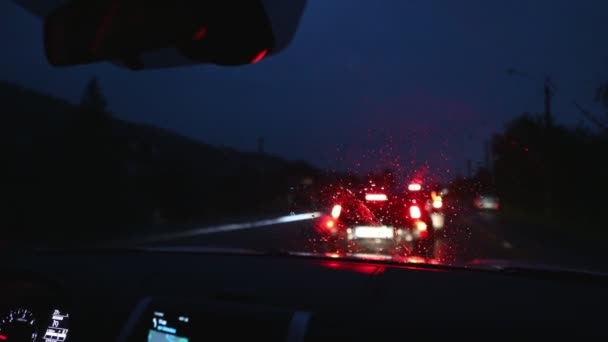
[(221, 32)]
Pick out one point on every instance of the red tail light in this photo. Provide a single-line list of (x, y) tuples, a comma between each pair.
[(336, 210), (375, 197), (200, 34), (326, 225), (415, 212), (422, 228)]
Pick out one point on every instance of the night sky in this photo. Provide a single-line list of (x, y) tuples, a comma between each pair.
[(364, 85)]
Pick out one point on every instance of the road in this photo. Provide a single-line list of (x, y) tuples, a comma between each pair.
[(467, 236)]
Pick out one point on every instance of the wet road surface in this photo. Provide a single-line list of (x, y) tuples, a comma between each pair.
[(466, 236)]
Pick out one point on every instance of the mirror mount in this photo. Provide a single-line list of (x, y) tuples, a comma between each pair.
[(220, 32)]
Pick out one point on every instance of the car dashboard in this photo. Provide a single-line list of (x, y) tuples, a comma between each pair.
[(186, 296), (32, 309)]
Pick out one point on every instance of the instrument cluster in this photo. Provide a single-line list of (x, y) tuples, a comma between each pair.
[(31, 312)]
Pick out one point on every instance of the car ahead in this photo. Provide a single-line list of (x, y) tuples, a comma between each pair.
[(347, 224), (430, 208), (436, 209), (487, 202), (373, 219)]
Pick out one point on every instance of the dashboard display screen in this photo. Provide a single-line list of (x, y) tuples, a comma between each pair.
[(27, 324), (168, 328), (57, 329)]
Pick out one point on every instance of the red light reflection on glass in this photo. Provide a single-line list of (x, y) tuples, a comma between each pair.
[(351, 267), (3, 337), (332, 264), (200, 34), (374, 257), (416, 260), (259, 56)]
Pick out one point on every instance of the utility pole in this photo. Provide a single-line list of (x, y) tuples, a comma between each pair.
[(490, 164), (486, 151), (546, 139), (547, 164), (548, 91)]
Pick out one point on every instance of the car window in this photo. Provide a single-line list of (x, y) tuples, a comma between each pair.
[(498, 106)]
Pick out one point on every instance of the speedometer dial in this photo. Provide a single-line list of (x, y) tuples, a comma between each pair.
[(18, 325)]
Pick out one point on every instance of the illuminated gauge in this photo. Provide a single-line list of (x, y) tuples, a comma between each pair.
[(18, 325)]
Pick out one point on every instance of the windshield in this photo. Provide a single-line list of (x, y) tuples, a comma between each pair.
[(452, 131)]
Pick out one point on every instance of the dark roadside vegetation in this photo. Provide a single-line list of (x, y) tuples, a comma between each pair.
[(76, 172), (552, 179)]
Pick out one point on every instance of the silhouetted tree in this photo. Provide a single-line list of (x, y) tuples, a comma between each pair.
[(92, 162), (525, 167)]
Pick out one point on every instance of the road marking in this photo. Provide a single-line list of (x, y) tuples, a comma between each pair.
[(507, 245), (228, 228)]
